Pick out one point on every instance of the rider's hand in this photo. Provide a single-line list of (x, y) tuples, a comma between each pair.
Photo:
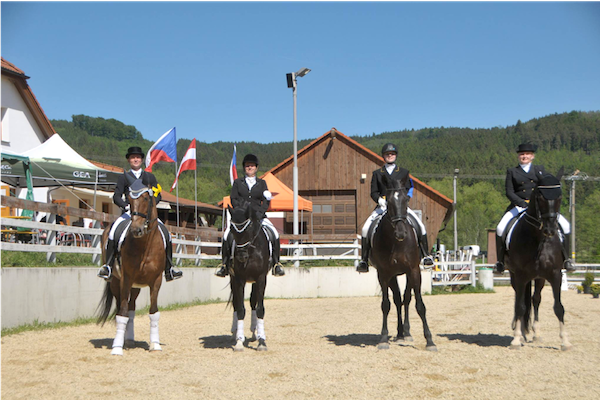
[(382, 203)]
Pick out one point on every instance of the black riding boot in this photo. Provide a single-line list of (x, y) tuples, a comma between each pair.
[(424, 247), (500, 250), (363, 265), (170, 273), (566, 248), (223, 270), (277, 267), (105, 271)]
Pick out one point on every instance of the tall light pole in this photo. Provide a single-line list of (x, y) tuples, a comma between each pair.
[(292, 82), (455, 222)]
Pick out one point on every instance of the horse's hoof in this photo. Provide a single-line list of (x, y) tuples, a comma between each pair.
[(253, 338), (408, 339), (383, 346), (262, 345), (516, 346), (566, 347), (117, 351), (155, 347), (130, 344), (431, 348), (239, 346)]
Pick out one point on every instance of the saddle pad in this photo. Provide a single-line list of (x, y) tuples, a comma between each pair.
[(126, 229), (377, 220), (512, 228)]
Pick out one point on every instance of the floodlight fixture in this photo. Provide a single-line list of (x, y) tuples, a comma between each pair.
[(302, 71)]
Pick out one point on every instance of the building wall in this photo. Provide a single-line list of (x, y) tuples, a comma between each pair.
[(339, 164), (20, 131)]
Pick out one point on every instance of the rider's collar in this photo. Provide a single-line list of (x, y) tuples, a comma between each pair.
[(390, 168), (137, 173), (526, 167)]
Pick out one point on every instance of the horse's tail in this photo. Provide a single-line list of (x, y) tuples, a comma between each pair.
[(103, 310)]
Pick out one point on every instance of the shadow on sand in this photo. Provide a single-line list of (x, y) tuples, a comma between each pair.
[(481, 339)]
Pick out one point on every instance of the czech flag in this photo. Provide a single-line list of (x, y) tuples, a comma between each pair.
[(165, 149), (188, 163), (233, 167)]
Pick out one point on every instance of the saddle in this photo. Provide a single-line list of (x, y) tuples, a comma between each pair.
[(411, 221)]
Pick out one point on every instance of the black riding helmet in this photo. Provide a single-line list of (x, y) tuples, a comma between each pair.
[(389, 147), (250, 158)]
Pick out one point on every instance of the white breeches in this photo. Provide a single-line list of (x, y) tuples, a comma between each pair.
[(513, 212), (264, 222), (380, 210)]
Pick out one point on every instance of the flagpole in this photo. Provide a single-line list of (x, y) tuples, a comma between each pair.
[(196, 198), (177, 193)]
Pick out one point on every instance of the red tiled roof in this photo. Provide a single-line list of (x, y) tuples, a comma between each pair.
[(11, 67)]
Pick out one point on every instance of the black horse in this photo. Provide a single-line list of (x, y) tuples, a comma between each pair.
[(395, 252), (250, 264), (535, 253)]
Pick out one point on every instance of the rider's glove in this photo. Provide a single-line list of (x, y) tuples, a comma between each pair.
[(382, 203)]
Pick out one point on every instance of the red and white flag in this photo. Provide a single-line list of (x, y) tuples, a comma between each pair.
[(187, 163), (233, 167)]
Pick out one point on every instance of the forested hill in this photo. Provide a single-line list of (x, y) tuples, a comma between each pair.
[(570, 140)]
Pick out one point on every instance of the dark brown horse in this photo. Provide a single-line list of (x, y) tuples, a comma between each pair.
[(141, 263), (395, 252), (250, 264), (535, 253)]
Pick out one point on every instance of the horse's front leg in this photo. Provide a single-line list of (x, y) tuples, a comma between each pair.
[(537, 299), (413, 279), (121, 318), (237, 289), (407, 300), (559, 311), (519, 288), (398, 302), (260, 287), (254, 318), (129, 330), (385, 309), (154, 314)]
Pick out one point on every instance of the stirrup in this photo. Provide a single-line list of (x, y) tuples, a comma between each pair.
[(568, 265), (171, 274), (278, 270), (428, 261), (222, 272), (102, 272), (362, 266)]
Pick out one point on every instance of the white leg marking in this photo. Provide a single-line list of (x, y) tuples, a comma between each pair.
[(117, 347)]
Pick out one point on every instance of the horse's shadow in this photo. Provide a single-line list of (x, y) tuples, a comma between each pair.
[(481, 339), (357, 340), (107, 343), (216, 342)]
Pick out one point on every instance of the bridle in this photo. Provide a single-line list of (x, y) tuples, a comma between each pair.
[(135, 194), (538, 221), (400, 217), (240, 228)]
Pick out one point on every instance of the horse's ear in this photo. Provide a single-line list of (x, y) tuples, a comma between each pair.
[(560, 173)]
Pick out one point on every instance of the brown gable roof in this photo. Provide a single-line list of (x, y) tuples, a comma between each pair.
[(361, 149), (19, 79)]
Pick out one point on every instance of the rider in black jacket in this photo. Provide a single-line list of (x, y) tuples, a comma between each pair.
[(253, 190), (135, 155)]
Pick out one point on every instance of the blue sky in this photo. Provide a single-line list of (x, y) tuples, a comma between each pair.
[(216, 71)]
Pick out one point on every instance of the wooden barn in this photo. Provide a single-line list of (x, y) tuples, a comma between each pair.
[(334, 172)]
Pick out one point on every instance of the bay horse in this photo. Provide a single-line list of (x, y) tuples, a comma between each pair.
[(535, 253), (140, 263), (395, 252), (251, 261)]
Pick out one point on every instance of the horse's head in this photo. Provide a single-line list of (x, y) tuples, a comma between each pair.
[(397, 205), (546, 204), (143, 208), (244, 226)]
